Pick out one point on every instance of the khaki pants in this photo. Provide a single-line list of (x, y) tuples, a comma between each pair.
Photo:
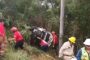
[(67, 57)]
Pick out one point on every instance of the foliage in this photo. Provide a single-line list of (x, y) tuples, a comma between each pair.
[(77, 20), (33, 12), (26, 33)]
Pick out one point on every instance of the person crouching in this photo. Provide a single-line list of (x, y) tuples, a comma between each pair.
[(18, 38)]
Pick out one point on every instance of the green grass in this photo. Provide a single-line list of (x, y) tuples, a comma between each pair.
[(16, 55), (30, 53)]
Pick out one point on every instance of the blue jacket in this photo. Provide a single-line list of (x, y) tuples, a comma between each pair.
[(79, 54)]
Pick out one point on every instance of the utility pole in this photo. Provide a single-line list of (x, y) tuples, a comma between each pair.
[(61, 23)]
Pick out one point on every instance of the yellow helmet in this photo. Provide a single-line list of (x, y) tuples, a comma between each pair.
[(72, 39)]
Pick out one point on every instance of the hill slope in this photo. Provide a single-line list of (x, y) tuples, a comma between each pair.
[(29, 53)]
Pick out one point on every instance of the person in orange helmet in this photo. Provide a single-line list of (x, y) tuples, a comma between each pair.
[(18, 38)]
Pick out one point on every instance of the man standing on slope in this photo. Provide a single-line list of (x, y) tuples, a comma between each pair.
[(66, 51)]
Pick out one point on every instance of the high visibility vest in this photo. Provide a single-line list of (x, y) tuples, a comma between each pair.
[(84, 55)]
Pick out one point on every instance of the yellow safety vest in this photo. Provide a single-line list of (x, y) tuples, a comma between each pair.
[(84, 55)]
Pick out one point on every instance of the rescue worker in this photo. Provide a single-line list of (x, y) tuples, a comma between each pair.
[(66, 51), (3, 41), (55, 42), (18, 38), (84, 52), (55, 39)]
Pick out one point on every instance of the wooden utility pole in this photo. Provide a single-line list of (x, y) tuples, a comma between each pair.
[(61, 23)]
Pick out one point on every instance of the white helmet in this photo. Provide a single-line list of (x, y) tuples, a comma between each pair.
[(87, 42)]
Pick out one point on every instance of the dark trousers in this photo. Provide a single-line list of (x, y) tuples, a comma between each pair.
[(19, 45), (44, 48)]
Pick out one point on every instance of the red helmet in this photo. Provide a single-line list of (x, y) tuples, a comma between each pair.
[(13, 29)]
